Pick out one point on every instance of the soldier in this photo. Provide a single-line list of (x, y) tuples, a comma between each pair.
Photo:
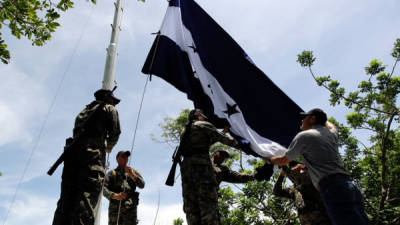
[(199, 184), (224, 173), (310, 208), (120, 188), (96, 132)]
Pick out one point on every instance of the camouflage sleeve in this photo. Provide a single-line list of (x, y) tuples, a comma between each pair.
[(231, 176), (217, 136), (279, 191), (106, 191), (139, 180), (113, 129)]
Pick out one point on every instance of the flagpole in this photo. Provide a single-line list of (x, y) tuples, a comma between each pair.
[(109, 78), (109, 70)]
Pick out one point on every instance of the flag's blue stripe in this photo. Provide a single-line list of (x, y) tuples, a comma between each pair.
[(266, 109)]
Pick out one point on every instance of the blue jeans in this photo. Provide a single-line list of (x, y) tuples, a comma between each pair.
[(343, 202)]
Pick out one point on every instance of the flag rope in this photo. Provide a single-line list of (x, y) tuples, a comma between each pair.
[(138, 118)]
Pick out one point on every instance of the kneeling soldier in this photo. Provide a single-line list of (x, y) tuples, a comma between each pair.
[(119, 188)]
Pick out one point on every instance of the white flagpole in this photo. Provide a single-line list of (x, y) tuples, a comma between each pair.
[(109, 78), (109, 70)]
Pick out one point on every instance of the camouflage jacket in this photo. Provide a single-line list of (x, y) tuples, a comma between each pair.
[(223, 173), (306, 198), (197, 145), (118, 181), (102, 129)]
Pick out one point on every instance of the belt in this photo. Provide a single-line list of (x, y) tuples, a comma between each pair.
[(328, 179)]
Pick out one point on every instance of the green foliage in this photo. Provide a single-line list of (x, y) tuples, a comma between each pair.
[(178, 221), (306, 58), (34, 19), (396, 49), (172, 128), (373, 107), (251, 203), (375, 67)]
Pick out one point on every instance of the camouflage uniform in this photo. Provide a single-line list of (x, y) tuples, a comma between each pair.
[(223, 173), (310, 208), (83, 171), (199, 184), (118, 181)]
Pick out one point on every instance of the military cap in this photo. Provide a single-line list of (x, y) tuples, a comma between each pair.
[(319, 114), (123, 153), (101, 95), (196, 112)]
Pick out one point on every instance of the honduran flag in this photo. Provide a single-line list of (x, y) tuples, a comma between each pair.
[(194, 54)]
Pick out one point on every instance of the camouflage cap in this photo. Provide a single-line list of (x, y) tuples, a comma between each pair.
[(101, 95), (196, 112)]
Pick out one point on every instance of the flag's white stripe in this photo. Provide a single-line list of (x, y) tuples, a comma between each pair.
[(173, 29)]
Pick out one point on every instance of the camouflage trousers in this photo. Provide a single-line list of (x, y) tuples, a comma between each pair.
[(315, 217), (199, 190), (81, 184), (126, 216)]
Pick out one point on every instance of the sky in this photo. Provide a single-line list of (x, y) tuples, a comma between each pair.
[(344, 35)]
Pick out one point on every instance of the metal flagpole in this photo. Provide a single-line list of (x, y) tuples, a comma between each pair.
[(109, 70), (109, 79)]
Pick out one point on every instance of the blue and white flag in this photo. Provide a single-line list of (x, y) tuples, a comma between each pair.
[(194, 54)]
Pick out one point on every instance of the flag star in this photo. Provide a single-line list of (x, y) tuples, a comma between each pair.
[(231, 109)]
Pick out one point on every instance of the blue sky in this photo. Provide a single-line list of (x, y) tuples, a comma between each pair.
[(344, 35)]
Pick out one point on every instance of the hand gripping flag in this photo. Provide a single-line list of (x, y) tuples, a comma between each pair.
[(194, 54)]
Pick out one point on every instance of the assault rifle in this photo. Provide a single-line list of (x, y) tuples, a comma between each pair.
[(176, 158), (178, 153)]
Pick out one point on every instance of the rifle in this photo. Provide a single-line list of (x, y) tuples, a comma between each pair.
[(70, 142), (176, 158), (178, 153)]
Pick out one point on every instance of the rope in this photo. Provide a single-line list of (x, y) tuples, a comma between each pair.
[(98, 207), (46, 118), (138, 116)]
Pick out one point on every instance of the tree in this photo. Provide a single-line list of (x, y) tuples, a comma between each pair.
[(373, 107), (34, 19), (178, 221), (251, 203)]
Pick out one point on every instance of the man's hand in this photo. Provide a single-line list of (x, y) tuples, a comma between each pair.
[(282, 173), (119, 196), (330, 126), (226, 129), (299, 168), (129, 171), (281, 160)]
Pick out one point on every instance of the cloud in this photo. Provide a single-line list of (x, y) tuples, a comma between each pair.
[(30, 209), (23, 99)]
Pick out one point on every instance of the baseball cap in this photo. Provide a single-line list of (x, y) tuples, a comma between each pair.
[(123, 153), (319, 114)]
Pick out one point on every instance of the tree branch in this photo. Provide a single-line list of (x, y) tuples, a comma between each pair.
[(345, 98)]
